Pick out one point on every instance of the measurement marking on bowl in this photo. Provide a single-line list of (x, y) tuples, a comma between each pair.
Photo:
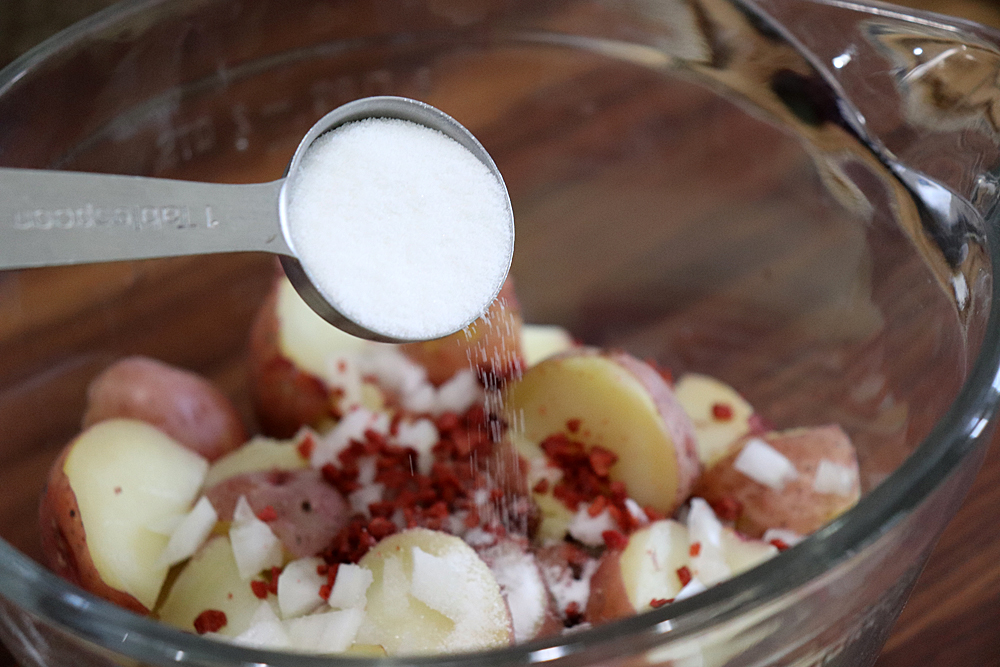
[(89, 216)]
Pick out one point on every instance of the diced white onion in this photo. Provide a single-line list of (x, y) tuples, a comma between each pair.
[(703, 526), (420, 435), (764, 464), (327, 632), (692, 587), (833, 478), (590, 529), (298, 587), (350, 586), (365, 496), (265, 630), (459, 393), (636, 512), (255, 547), (192, 531), (433, 582)]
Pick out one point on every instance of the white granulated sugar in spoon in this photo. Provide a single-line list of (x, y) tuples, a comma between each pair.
[(411, 230)]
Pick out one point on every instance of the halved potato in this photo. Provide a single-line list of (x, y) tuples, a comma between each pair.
[(783, 491), (720, 415), (616, 402), (210, 580), (432, 594), (112, 482), (182, 404)]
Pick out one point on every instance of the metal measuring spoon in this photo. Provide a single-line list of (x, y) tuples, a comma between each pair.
[(50, 218)]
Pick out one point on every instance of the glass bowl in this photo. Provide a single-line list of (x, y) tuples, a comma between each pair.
[(804, 213)]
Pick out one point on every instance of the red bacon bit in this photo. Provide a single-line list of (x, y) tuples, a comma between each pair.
[(656, 603), (306, 447), (267, 514), (727, 508), (210, 620), (573, 425), (695, 549), (601, 460), (448, 422), (380, 527), (684, 574), (614, 539), (542, 486), (597, 506), (780, 544), (722, 412), (259, 588)]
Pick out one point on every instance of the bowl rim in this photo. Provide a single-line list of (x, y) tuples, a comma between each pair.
[(49, 598)]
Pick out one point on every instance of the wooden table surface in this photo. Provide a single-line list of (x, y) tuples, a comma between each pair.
[(953, 616)]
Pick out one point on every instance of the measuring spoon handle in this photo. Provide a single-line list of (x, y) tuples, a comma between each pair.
[(60, 217)]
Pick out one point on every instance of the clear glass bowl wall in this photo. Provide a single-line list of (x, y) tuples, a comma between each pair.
[(654, 213)]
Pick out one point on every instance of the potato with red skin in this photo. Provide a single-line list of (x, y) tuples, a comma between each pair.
[(110, 484), (619, 403), (184, 405), (285, 397), (532, 606), (308, 512), (796, 506), (64, 540), (491, 345)]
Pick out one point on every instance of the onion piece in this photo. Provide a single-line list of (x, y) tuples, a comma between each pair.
[(298, 587), (764, 464), (833, 478), (255, 546), (350, 587), (192, 531)]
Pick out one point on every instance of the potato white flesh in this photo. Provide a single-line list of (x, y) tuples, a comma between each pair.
[(616, 402), (432, 594), (720, 415), (305, 338), (127, 475), (650, 562), (259, 454), (742, 553), (541, 341), (210, 580)]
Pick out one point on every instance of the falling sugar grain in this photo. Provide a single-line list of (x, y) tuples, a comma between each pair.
[(412, 230)]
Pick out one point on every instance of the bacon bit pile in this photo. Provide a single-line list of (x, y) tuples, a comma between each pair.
[(585, 480), (412, 499), (210, 620)]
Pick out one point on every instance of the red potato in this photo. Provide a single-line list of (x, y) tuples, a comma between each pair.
[(617, 402), (532, 607), (308, 512), (109, 485), (797, 505), (637, 577), (432, 594), (491, 344), (285, 397), (184, 405)]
